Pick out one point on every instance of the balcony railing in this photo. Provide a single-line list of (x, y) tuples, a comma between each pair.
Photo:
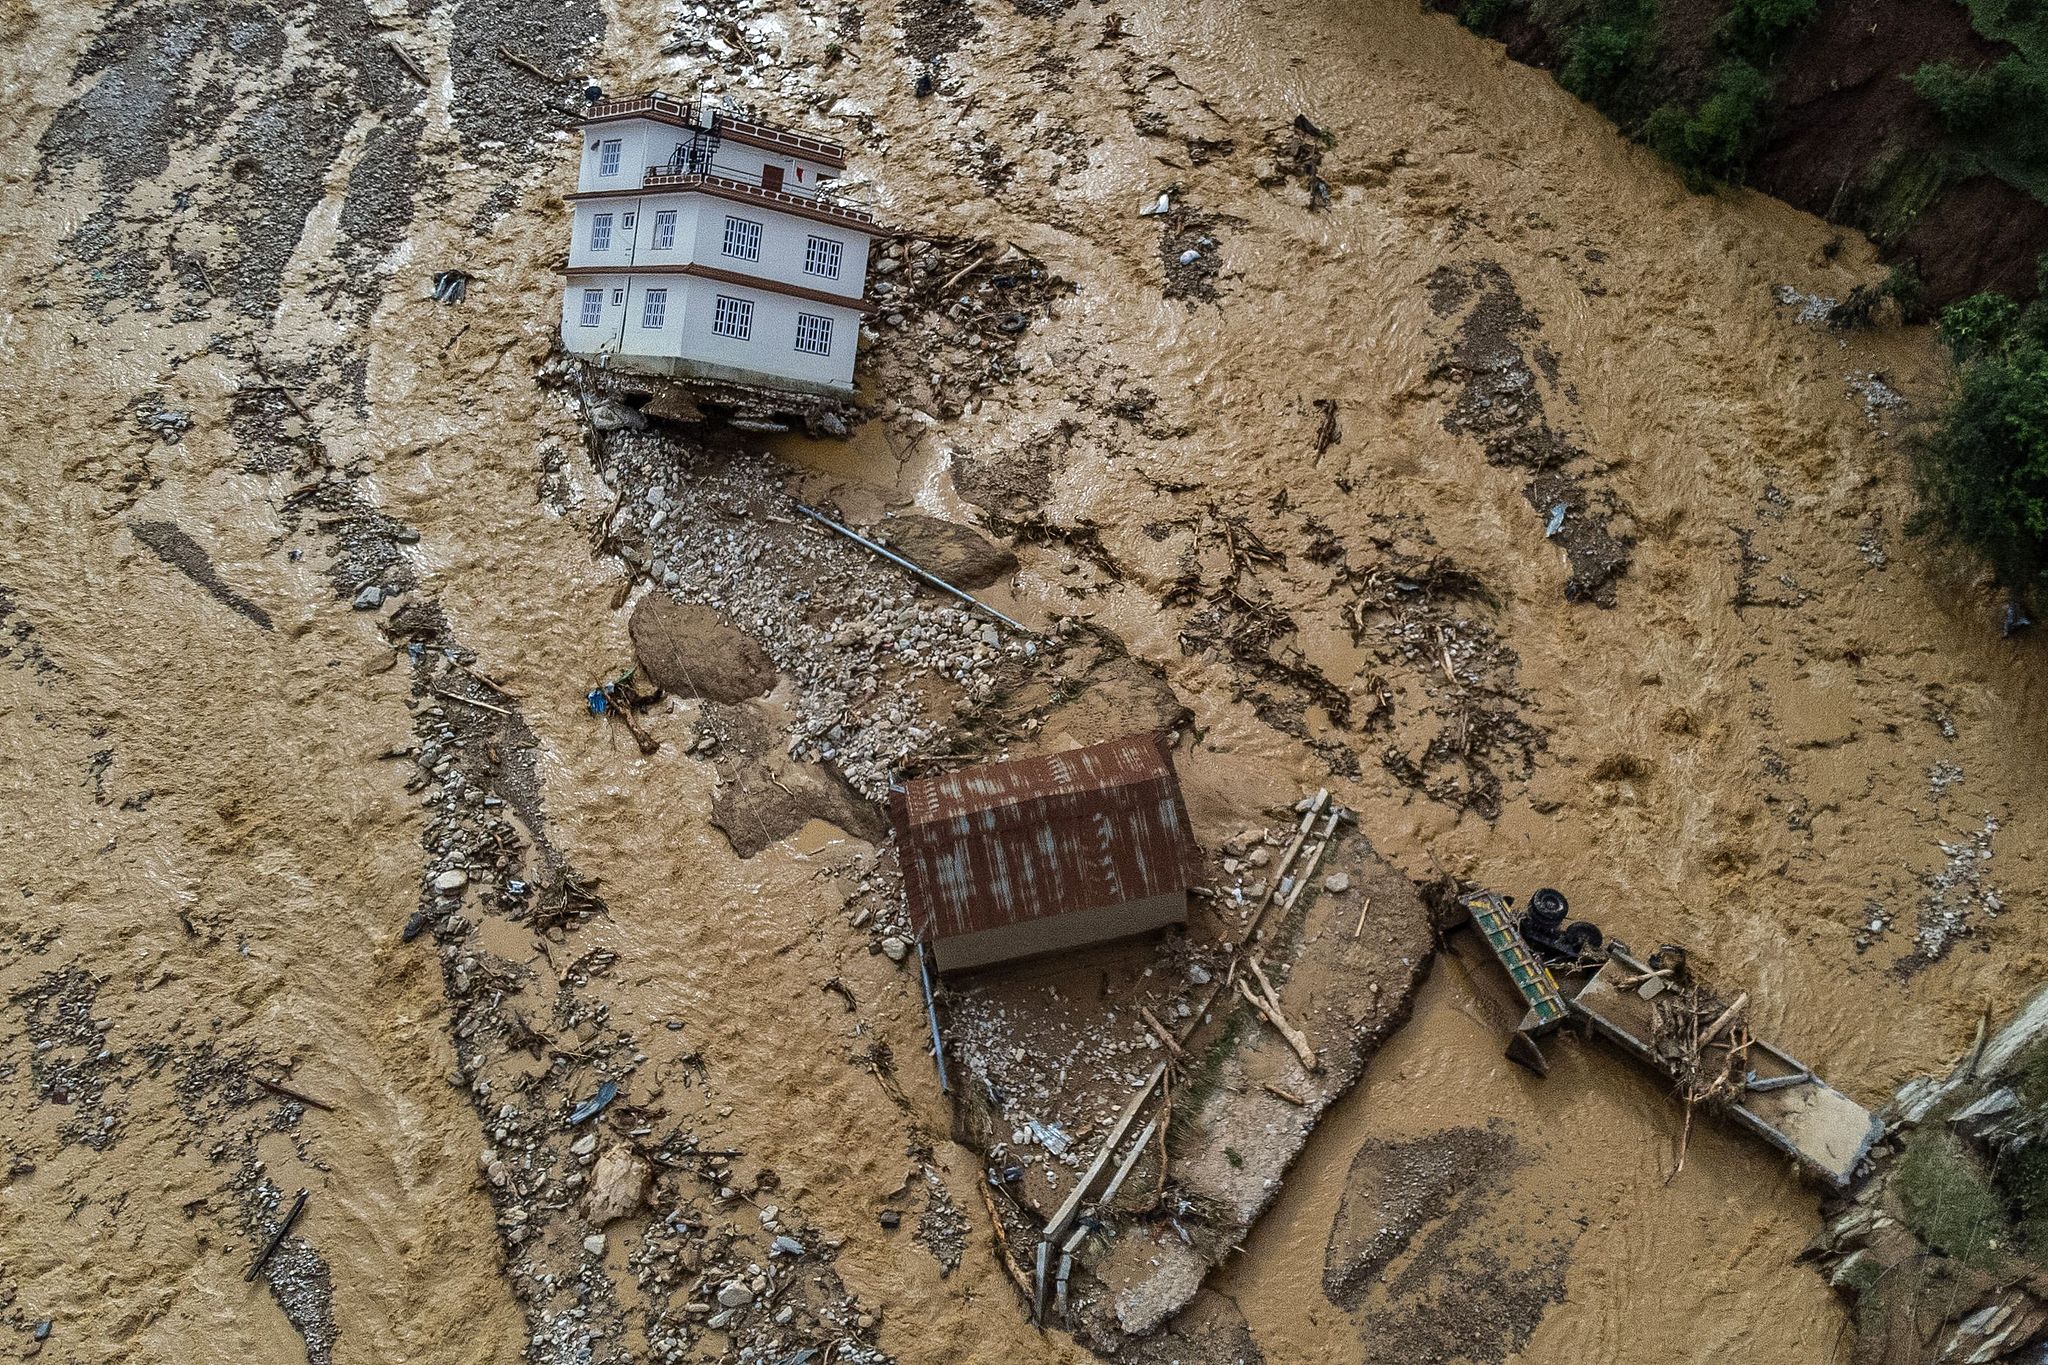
[(628, 105), (683, 111), (661, 178), (816, 146)]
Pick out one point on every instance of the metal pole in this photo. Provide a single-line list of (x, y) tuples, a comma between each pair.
[(931, 1011), (901, 562)]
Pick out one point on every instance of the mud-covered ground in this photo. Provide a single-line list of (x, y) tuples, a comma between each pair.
[(306, 578)]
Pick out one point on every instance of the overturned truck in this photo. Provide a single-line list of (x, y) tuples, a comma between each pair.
[(1654, 1010)]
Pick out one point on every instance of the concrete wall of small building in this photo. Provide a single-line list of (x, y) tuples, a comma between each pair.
[(645, 143), (621, 328), (700, 238), (770, 350), (1058, 933), (582, 340), (634, 245), (785, 238), (642, 143), (685, 343)]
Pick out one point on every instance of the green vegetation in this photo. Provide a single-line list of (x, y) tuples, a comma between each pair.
[(1998, 114), (1606, 58), (1709, 111), (1755, 28), (1481, 15), (1947, 1202), (1613, 61), (1983, 472), (1715, 141)]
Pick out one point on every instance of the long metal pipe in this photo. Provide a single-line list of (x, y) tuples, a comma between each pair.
[(898, 560), (931, 1010)]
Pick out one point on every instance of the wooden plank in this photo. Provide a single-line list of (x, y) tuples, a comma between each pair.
[(1060, 1220)]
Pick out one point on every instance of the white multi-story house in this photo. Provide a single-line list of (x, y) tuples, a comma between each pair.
[(703, 248)]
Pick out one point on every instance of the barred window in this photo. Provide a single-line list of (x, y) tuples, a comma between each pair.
[(608, 156), (593, 308), (601, 232), (733, 318), (743, 239), (813, 334), (626, 223), (821, 257), (664, 229), (618, 298), (654, 308)]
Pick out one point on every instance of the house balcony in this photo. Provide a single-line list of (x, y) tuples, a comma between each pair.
[(805, 205)]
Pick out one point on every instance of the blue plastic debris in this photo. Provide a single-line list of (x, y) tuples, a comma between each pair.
[(1556, 521), (596, 700), (595, 1105)]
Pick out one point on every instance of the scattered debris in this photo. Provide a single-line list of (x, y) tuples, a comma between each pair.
[(1814, 309)]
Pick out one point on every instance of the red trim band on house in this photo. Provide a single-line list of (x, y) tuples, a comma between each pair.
[(713, 273), (681, 114), (740, 192)]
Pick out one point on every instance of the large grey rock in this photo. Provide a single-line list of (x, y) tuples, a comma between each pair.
[(618, 1185), (694, 652), (959, 554)]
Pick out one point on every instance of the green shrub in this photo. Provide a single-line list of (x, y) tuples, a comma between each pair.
[(1599, 60), (1978, 324), (2004, 106), (1716, 140), (1904, 287), (1482, 15), (1983, 471), (1754, 28), (1946, 1200)]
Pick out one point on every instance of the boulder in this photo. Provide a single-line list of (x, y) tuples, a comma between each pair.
[(618, 1185), (959, 554), (694, 652)]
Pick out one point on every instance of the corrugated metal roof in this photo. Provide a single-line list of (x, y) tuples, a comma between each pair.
[(1002, 843)]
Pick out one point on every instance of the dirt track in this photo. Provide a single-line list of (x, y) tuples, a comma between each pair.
[(1761, 748)]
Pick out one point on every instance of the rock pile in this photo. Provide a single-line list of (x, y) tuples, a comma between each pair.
[(864, 645), (1939, 1246)]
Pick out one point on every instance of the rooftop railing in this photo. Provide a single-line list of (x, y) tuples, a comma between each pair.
[(661, 178), (683, 111)]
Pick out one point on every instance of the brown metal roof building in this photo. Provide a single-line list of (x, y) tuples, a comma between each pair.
[(1008, 860)]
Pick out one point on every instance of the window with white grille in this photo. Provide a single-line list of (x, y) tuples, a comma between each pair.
[(743, 239), (601, 232), (654, 308), (618, 297), (593, 308), (733, 318), (608, 156), (664, 229), (821, 257), (626, 223), (813, 334)]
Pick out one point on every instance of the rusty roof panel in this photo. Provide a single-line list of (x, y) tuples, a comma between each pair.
[(1002, 843)]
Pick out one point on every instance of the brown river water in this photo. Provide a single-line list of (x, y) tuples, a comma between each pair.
[(1792, 713)]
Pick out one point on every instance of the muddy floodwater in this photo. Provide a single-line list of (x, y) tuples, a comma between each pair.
[(1295, 443)]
